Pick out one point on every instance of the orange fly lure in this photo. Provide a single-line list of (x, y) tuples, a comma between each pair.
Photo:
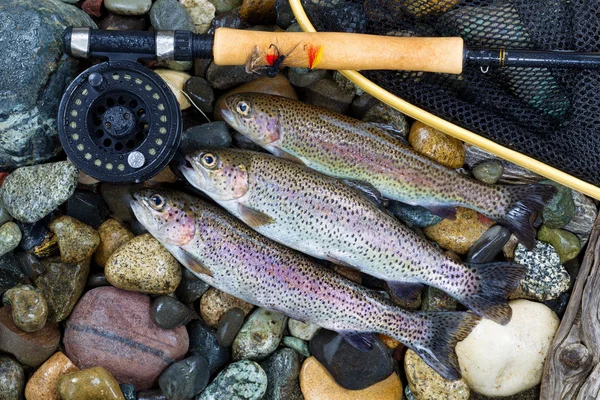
[(314, 53)]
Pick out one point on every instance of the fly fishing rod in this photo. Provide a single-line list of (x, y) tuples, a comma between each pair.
[(119, 121)]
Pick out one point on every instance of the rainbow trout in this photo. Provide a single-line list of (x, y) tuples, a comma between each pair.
[(233, 258), (321, 216), (347, 148)]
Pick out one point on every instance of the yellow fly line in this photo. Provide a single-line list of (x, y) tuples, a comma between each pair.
[(451, 129)]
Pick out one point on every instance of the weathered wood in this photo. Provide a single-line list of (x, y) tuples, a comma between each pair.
[(572, 369)]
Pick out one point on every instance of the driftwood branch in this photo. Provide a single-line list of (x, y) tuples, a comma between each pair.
[(572, 369)]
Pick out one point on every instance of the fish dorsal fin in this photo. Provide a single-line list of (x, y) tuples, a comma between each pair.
[(190, 262), (367, 129), (254, 218), (368, 190)]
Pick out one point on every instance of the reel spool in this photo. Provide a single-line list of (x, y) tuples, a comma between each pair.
[(119, 122)]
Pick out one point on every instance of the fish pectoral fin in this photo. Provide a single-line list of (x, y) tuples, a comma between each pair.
[(405, 290), (254, 218), (359, 340), (448, 212), (190, 262), (368, 190), (286, 156)]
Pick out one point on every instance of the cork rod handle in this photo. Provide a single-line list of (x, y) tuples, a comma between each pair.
[(345, 51)]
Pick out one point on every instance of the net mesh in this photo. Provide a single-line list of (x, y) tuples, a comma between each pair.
[(548, 114)]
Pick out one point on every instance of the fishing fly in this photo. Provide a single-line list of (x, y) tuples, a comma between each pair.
[(267, 64)]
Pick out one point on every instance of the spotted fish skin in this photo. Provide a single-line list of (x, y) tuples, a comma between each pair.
[(249, 266), (323, 217), (346, 148)]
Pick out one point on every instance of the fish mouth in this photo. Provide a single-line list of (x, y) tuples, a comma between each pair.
[(138, 209), (195, 176), (227, 115)]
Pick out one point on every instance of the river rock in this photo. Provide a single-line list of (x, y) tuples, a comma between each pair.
[(227, 76), (37, 238), (34, 75), (215, 303), (203, 342), (76, 240), (205, 136), (317, 384), (304, 77), (241, 380), (202, 12), (488, 171), (31, 193), (489, 245), (118, 199), (112, 328), (190, 290), (29, 308), (328, 94), (62, 284), (153, 394), (87, 207), (413, 215), (201, 93), (512, 174), (229, 326), (89, 384), (128, 7), (29, 348), (176, 80), (583, 221), (172, 15), (461, 234), (351, 368), (143, 265), (10, 236), (296, 344), (388, 118), (97, 280), (498, 360), (4, 215), (12, 379), (561, 209), (122, 22), (436, 145), (185, 379), (113, 235), (258, 12), (168, 312), (282, 369), (224, 6), (10, 273), (128, 391), (259, 336), (546, 278), (302, 330), (565, 243), (43, 383), (426, 384), (30, 265), (93, 8)]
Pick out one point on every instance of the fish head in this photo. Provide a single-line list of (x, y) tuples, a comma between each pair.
[(167, 215), (254, 115), (222, 174)]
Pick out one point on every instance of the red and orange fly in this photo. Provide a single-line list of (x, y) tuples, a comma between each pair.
[(267, 64)]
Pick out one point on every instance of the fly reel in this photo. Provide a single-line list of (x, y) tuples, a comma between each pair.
[(119, 122)]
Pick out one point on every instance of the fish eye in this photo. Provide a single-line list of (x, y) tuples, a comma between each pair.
[(157, 202), (209, 160), (243, 108)]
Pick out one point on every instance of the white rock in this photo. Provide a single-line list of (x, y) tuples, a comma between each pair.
[(302, 330), (202, 12), (176, 80), (498, 360)]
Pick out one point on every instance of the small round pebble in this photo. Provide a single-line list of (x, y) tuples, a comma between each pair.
[(259, 336), (489, 245), (425, 383), (190, 290), (89, 384), (168, 312), (215, 303), (566, 244), (29, 307), (297, 344), (37, 238), (436, 145), (87, 207), (113, 235), (498, 360), (203, 342), (205, 136), (229, 326), (302, 330), (282, 369), (10, 236), (317, 384), (201, 93), (12, 379), (242, 380), (175, 80), (143, 265), (561, 209), (128, 391), (488, 171), (76, 240), (202, 12), (388, 118), (43, 384), (128, 7), (185, 379)]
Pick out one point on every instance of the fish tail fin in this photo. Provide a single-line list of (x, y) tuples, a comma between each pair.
[(443, 330), (494, 283), (526, 201)]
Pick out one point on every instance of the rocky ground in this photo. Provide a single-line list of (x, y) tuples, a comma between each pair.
[(95, 308)]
